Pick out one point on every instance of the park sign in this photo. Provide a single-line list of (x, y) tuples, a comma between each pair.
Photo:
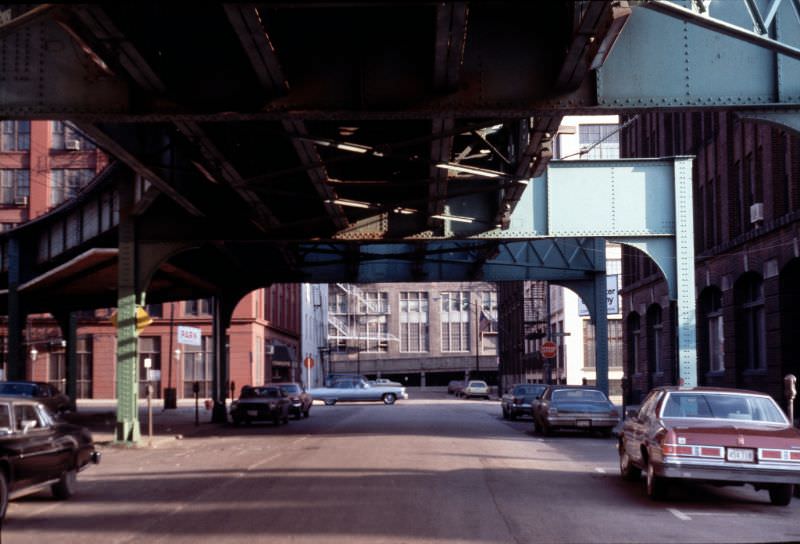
[(190, 336)]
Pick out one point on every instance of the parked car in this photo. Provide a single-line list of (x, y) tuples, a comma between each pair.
[(574, 407), (38, 451), (455, 387), (43, 392), (475, 388), (519, 398), (715, 435), (358, 390), (262, 403), (299, 399)]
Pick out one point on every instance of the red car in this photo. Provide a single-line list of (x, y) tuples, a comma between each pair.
[(713, 435)]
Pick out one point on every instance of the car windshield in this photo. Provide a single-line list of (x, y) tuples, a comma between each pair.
[(25, 389), (723, 406), (290, 388), (260, 392), (477, 384), (578, 395), (527, 390)]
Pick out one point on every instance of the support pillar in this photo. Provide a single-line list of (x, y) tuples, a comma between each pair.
[(684, 273), (127, 431), (17, 352), (223, 306), (600, 317), (68, 322)]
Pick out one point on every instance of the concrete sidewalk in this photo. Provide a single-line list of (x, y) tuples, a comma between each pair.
[(100, 417)]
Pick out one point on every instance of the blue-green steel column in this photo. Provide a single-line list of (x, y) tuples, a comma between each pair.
[(600, 287), (685, 273), (17, 354), (128, 431)]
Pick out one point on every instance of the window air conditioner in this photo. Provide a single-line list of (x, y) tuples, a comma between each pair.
[(73, 145), (757, 212), (21, 201), (270, 349)]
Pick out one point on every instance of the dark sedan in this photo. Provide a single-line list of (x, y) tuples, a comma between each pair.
[(713, 435), (263, 403), (299, 398), (574, 407), (43, 392), (519, 399), (37, 451)]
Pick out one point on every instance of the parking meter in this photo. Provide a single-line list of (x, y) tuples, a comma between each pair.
[(790, 389)]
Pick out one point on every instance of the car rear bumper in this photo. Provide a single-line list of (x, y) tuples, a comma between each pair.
[(581, 422), (774, 473)]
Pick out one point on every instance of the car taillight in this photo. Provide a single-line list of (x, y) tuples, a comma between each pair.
[(691, 451), (778, 455)]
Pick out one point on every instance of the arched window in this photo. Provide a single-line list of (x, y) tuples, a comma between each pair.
[(753, 323), (712, 333), (654, 338), (634, 344)]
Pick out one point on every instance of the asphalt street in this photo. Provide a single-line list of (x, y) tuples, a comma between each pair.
[(426, 470)]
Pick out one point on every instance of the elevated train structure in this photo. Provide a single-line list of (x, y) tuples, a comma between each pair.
[(361, 142)]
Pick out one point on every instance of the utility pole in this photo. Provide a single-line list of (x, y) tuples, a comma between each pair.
[(477, 343)]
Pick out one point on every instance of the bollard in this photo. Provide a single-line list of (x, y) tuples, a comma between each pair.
[(196, 391), (790, 388)]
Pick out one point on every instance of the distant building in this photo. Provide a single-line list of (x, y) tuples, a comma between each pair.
[(314, 343), (420, 334), (46, 163)]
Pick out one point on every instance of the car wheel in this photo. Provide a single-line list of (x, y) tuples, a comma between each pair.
[(3, 494), (389, 398), (330, 402), (627, 469), (64, 488), (781, 494), (656, 485)]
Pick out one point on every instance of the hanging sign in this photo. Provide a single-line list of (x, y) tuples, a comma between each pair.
[(190, 336)]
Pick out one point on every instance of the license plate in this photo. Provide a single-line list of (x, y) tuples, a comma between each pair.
[(252, 413), (583, 423), (743, 455)]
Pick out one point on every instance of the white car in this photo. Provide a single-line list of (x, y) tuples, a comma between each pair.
[(475, 388), (358, 390), (384, 381)]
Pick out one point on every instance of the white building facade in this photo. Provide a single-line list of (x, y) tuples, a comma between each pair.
[(314, 342)]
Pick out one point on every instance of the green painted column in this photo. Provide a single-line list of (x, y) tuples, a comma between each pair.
[(127, 431)]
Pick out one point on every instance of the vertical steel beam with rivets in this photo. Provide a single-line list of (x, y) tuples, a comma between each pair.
[(128, 431), (600, 317), (684, 253)]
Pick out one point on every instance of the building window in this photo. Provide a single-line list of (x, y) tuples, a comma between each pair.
[(337, 302), (413, 322), (7, 226), (373, 303), (15, 187), (589, 352), (66, 137), (615, 344), (149, 348), (599, 141), (65, 183), (155, 310), (201, 306), (197, 367), (16, 135), (57, 368), (373, 333), (754, 324), (455, 315), (83, 351), (716, 332), (654, 335)]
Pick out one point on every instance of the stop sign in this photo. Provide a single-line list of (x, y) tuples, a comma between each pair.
[(308, 362), (548, 349)]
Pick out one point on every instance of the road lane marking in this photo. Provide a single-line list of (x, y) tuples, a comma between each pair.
[(678, 514)]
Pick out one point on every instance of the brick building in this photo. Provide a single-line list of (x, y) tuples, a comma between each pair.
[(45, 163), (746, 187)]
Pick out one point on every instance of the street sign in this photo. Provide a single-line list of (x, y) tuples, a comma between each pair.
[(190, 336), (548, 349), (308, 362)]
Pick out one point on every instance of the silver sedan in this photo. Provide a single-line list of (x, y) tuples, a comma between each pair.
[(358, 390)]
